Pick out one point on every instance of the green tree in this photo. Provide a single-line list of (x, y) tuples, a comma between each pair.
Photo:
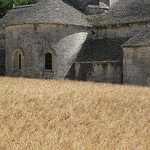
[(6, 5)]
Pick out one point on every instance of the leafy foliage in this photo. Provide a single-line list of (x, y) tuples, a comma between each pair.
[(6, 5)]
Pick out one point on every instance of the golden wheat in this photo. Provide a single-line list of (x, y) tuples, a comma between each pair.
[(68, 115)]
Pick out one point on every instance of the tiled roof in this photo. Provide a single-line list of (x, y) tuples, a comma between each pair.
[(13, 15), (107, 49), (123, 12), (47, 12), (140, 39)]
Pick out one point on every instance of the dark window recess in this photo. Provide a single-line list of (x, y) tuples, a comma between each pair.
[(48, 61), (19, 61)]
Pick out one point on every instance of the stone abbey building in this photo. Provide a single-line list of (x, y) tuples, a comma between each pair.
[(88, 40)]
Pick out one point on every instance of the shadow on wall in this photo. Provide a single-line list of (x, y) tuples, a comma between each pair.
[(71, 73), (99, 50)]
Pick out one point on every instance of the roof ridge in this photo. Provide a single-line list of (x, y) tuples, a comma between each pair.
[(22, 6)]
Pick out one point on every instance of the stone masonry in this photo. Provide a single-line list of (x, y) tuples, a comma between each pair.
[(34, 40)]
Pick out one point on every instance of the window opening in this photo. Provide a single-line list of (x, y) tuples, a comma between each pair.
[(48, 61), (17, 61)]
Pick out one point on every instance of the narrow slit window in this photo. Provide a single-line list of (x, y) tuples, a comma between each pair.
[(48, 61), (17, 61)]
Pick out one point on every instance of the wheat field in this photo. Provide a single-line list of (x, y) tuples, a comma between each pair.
[(69, 115)]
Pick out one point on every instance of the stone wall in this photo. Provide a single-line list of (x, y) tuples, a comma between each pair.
[(109, 72), (64, 42), (2, 55), (128, 30), (136, 65)]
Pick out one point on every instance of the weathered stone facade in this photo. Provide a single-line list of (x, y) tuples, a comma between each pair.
[(108, 72), (126, 30), (135, 60), (112, 47), (64, 42)]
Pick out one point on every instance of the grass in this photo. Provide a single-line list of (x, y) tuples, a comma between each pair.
[(69, 115)]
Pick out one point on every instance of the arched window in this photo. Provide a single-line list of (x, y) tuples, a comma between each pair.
[(48, 61), (17, 60)]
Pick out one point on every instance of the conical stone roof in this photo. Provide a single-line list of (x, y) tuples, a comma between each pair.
[(47, 12)]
